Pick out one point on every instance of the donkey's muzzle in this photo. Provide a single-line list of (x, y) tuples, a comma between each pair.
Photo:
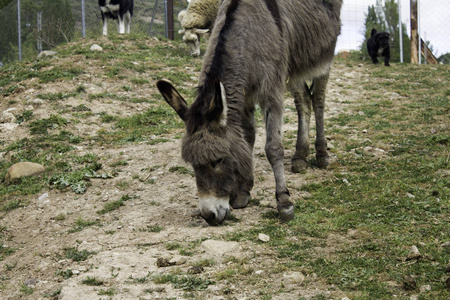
[(214, 210)]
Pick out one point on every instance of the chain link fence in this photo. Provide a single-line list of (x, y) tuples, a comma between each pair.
[(47, 23), (434, 27)]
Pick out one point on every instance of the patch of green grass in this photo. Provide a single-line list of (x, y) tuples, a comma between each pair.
[(151, 228), (108, 207), (42, 126), (187, 282), (181, 170), (81, 224), (109, 292), (26, 290), (74, 254), (92, 281)]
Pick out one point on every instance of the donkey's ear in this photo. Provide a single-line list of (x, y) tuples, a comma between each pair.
[(218, 107), (172, 97)]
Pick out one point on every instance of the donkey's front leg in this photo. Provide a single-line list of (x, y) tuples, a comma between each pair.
[(319, 87), (275, 155)]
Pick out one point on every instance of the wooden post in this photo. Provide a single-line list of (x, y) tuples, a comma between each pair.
[(414, 33), (427, 54), (170, 29)]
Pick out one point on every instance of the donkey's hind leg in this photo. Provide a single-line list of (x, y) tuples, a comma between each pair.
[(319, 87), (303, 103)]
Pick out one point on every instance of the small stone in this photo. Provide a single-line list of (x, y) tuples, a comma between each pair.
[(96, 47), (413, 253), (195, 270), (295, 277), (43, 196), (46, 53), (410, 195), (263, 237), (425, 288), (364, 131), (30, 282), (259, 272), (163, 262)]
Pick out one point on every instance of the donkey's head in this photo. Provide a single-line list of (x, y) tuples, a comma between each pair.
[(219, 154)]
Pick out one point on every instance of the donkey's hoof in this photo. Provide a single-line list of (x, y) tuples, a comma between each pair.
[(241, 200), (286, 213), (323, 161), (298, 166)]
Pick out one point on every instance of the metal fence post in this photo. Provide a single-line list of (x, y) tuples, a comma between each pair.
[(18, 30), (399, 6), (83, 19)]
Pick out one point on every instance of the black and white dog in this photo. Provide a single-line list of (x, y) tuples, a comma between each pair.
[(378, 45), (116, 9)]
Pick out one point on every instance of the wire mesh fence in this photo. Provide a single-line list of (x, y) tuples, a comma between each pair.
[(43, 24), (31, 26)]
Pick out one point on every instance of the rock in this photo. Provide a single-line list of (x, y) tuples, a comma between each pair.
[(413, 253), (8, 116), (295, 277), (46, 53), (263, 237), (220, 248), (23, 169), (30, 282), (43, 196), (162, 262), (195, 270), (96, 47), (425, 288), (35, 101)]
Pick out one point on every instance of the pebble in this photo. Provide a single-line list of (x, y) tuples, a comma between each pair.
[(96, 47), (263, 237)]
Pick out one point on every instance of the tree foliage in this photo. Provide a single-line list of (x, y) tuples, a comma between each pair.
[(386, 19)]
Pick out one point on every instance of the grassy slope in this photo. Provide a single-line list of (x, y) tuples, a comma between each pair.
[(389, 203)]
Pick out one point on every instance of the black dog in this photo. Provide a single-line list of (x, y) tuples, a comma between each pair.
[(378, 45), (116, 9)]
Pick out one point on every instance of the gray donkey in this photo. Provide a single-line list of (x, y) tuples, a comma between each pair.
[(257, 49)]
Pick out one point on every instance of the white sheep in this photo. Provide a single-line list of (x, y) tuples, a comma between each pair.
[(197, 20)]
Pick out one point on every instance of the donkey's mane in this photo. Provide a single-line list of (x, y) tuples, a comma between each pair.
[(205, 91)]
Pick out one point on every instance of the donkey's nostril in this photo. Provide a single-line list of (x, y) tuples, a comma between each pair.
[(209, 217)]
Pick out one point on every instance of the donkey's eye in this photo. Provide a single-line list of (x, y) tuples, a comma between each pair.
[(216, 163)]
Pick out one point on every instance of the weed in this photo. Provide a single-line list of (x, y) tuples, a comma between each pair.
[(25, 289), (80, 224), (92, 281), (109, 292), (187, 283), (108, 207), (75, 255)]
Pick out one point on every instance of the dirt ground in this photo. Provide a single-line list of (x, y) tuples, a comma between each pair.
[(124, 249)]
